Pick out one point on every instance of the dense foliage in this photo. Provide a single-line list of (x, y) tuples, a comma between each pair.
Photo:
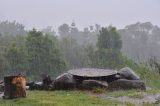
[(35, 53), (108, 53), (43, 55)]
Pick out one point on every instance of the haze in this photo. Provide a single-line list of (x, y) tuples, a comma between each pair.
[(42, 13)]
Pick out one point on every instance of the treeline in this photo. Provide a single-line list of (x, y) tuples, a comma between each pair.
[(141, 41), (35, 53)]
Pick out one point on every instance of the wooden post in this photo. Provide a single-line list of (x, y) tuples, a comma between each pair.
[(14, 86)]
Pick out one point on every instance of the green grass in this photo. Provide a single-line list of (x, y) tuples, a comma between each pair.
[(60, 98), (98, 90), (75, 98), (148, 104), (153, 91), (81, 98)]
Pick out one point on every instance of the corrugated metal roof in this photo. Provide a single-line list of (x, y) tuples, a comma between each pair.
[(92, 72)]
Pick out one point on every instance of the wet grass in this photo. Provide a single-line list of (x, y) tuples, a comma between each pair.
[(133, 93), (60, 98), (129, 93), (76, 98), (153, 91)]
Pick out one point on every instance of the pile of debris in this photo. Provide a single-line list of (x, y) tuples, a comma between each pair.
[(85, 78), (90, 78), (46, 84)]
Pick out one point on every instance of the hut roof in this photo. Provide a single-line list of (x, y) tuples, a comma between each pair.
[(92, 72)]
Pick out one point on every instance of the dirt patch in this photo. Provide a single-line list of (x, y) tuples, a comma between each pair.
[(146, 99)]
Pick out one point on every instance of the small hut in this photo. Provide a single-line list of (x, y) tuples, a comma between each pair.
[(14, 86)]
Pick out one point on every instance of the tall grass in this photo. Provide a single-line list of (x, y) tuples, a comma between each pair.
[(149, 76)]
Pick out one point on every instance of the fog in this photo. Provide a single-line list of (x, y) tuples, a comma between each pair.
[(52, 36), (42, 13)]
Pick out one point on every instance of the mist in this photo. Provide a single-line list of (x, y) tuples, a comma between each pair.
[(43, 13), (73, 29), (80, 52)]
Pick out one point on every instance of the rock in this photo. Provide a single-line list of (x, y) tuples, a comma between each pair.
[(30, 85), (47, 82), (1, 87), (35, 85), (91, 84), (51, 86), (65, 81), (38, 85), (128, 73), (1, 94), (157, 100), (1, 81), (123, 84)]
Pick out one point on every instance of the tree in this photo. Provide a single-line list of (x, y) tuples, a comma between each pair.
[(3, 66), (43, 55), (109, 39), (17, 59), (140, 41), (108, 54), (74, 32), (73, 53), (49, 30), (12, 28), (64, 30), (98, 27)]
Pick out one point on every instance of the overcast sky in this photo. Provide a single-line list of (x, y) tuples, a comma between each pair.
[(42, 13)]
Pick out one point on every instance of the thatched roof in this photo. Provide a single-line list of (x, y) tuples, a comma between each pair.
[(92, 72)]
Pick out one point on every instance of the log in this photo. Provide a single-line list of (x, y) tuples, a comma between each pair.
[(14, 86)]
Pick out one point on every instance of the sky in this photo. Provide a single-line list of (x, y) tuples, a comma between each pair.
[(43, 13)]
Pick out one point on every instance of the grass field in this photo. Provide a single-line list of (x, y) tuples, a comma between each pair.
[(59, 98), (71, 98), (87, 98)]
